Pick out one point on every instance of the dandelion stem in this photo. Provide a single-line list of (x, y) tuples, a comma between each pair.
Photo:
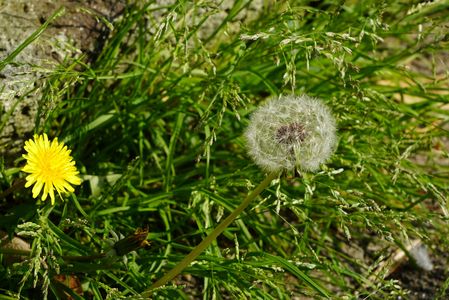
[(212, 236)]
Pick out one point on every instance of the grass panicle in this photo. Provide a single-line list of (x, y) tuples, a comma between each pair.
[(156, 124)]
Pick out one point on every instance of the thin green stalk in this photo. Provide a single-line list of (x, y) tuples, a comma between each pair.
[(31, 38), (80, 258), (212, 236)]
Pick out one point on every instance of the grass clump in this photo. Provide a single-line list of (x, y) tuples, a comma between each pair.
[(156, 125)]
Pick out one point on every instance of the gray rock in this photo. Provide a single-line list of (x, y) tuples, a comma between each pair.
[(21, 82)]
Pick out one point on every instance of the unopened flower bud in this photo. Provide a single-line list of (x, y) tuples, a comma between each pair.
[(132, 242)]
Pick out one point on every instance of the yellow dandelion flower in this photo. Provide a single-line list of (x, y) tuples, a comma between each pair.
[(50, 166)]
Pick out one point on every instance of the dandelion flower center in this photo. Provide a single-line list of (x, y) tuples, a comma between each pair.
[(50, 166), (291, 133)]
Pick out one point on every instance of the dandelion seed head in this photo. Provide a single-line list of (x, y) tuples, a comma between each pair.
[(50, 166), (291, 132)]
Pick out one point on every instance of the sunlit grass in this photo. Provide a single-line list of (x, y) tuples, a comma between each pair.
[(156, 126)]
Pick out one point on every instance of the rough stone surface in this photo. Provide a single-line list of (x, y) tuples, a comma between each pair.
[(76, 32)]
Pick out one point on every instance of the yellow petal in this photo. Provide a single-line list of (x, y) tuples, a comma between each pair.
[(37, 188), (52, 196), (30, 180), (74, 180), (50, 167)]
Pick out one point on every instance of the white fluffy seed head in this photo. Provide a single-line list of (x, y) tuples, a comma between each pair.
[(291, 132)]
